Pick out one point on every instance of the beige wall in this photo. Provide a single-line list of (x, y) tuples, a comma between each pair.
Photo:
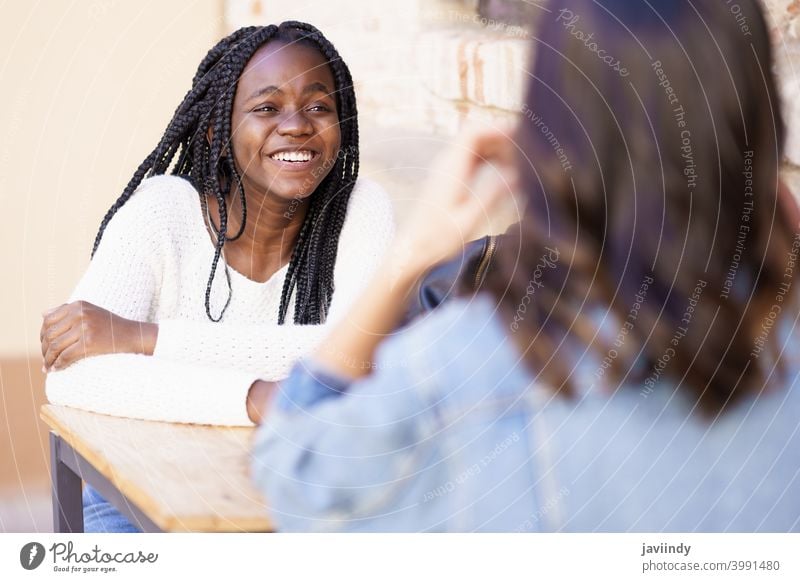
[(88, 87)]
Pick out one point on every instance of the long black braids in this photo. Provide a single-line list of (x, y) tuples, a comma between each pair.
[(311, 268), (209, 165)]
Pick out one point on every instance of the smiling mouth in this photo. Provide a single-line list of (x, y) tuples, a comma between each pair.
[(298, 157)]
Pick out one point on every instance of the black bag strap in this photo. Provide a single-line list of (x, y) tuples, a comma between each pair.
[(465, 272)]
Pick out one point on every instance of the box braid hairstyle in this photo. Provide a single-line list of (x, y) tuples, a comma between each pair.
[(211, 169)]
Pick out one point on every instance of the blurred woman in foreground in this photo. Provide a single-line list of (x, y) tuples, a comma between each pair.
[(628, 364)]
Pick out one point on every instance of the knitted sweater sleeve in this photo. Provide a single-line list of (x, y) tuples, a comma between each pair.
[(124, 277), (269, 351)]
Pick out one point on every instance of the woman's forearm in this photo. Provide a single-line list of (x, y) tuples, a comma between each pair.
[(453, 211), (147, 338), (349, 349), (151, 388)]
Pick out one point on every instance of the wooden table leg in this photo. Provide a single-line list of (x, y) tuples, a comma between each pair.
[(67, 501)]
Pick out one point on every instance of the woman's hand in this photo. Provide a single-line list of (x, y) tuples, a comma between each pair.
[(454, 203), (258, 399), (78, 330), (457, 198)]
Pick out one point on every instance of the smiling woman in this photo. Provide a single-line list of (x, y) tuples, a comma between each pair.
[(204, 281), (286, 126)]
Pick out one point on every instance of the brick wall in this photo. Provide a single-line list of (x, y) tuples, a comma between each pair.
[(784, 16), (420, 65), (424, 66)]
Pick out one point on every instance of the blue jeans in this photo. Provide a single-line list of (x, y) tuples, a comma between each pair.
[(99, 516)]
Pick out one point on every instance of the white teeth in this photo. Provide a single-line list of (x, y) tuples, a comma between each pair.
[(301, 156)]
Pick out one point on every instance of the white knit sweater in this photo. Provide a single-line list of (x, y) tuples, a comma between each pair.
[(153, 265)]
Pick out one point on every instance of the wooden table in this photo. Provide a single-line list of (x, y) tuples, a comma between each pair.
[(162, 476)]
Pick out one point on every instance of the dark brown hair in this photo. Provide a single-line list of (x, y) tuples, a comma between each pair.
[(652, 138)]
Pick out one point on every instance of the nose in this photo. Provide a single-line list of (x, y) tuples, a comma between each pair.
[(295, 124)]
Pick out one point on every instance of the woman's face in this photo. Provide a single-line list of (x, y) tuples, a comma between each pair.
[(284, 124)]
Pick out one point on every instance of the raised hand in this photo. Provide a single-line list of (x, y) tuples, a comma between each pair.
[(466, 182)]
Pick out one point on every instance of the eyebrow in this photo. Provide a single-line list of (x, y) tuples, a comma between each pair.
[(315, 87)]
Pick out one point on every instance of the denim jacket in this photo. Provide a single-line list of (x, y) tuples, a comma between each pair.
[(451, 433)]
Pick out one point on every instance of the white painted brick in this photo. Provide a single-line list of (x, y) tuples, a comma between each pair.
[(783, 16), (789, 81), (473, 66)]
